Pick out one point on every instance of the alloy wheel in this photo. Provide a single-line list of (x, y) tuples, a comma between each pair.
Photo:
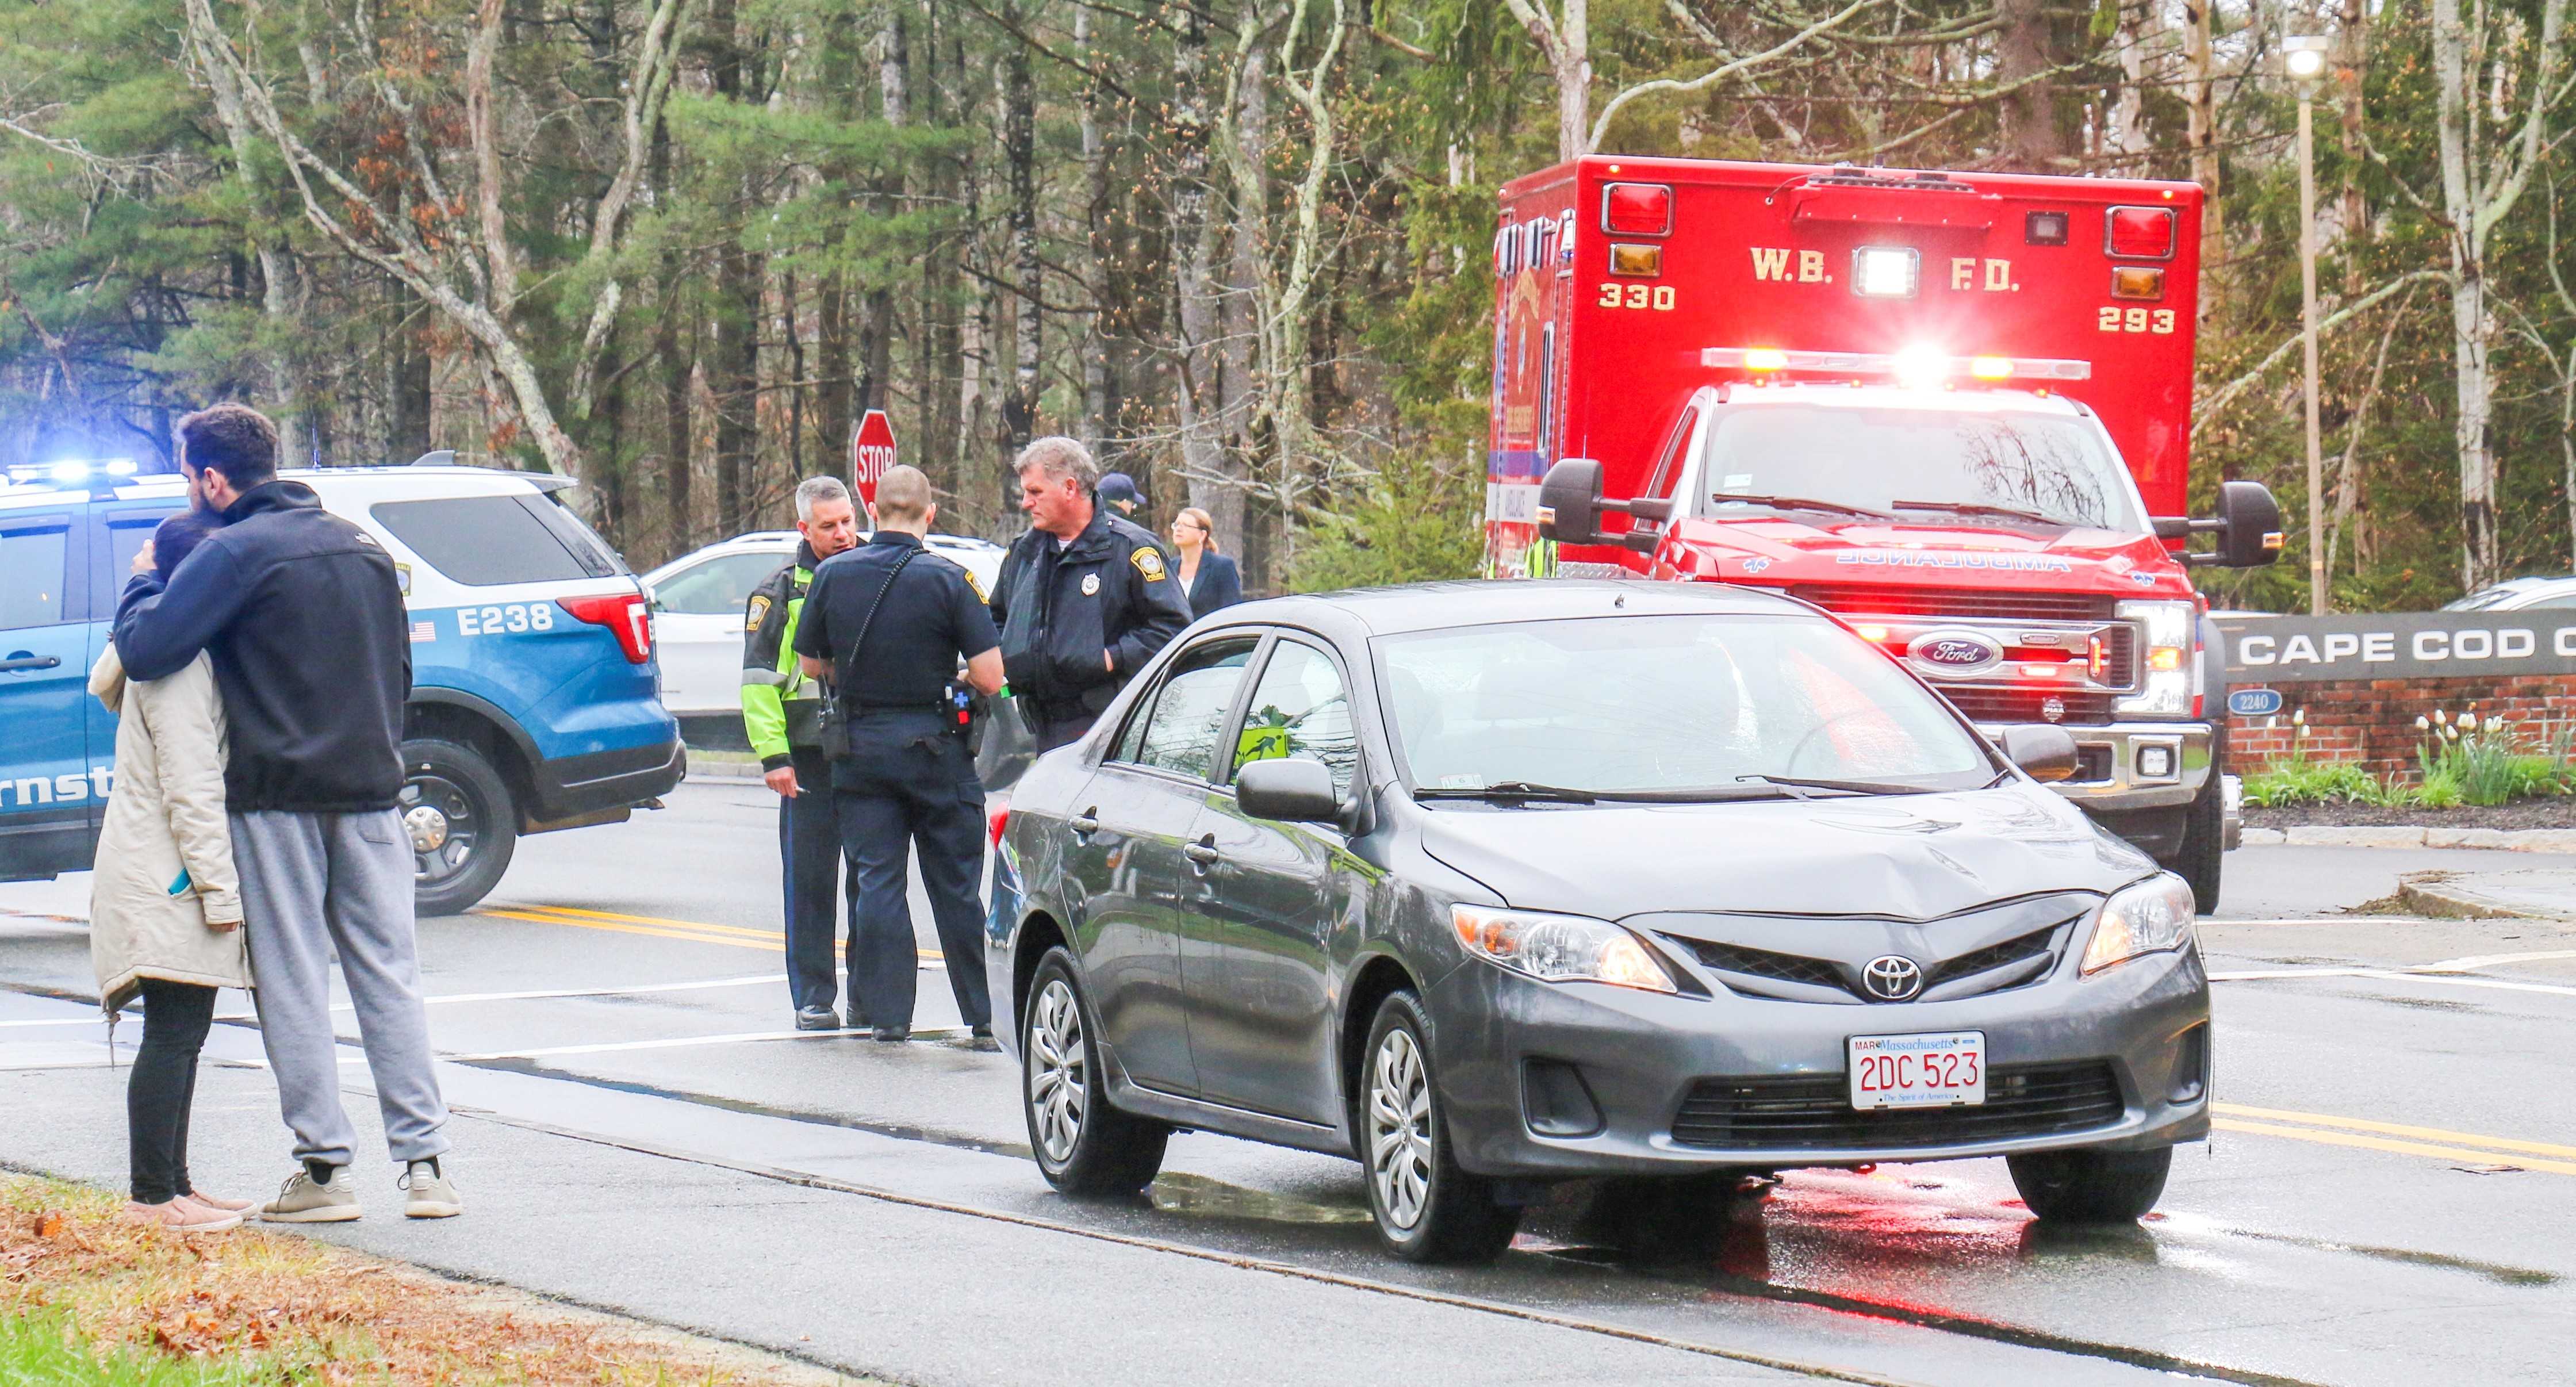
[(1058, 1072), (1399, 1128)]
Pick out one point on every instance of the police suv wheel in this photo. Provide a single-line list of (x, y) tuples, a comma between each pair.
[(1428, 1209), (457, 813), (1084, 1146)]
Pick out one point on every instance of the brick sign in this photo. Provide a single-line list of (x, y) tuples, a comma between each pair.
[(2409, 645)]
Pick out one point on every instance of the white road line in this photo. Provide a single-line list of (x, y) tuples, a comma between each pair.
[(682, 1041), (2326, 920), (2390, 975), (540, 995), (2475, 962)]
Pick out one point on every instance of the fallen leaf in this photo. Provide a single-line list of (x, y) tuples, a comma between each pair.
[(2488, 1169), (50, 1224)]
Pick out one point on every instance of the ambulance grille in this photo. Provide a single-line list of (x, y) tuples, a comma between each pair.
[(1813, 1112), (1863, 599)]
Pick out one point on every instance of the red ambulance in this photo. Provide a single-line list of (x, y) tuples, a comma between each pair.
[(1952, 409)]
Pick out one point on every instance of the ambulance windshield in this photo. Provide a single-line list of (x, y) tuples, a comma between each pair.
[(1963, 466)]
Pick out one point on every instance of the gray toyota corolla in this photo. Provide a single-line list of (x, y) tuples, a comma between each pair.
[(1489, 885)]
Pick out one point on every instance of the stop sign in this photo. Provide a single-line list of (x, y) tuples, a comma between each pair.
[(871, 453)]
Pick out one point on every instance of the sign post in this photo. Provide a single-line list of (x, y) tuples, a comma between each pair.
[(871, 453)]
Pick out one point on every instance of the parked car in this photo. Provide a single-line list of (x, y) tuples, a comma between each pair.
[(1489, 885), (698, 601), (2519, 595), (533, 705)]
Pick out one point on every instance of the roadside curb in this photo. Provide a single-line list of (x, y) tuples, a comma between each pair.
[(2474, 896), (2414, 836), (724, 767)]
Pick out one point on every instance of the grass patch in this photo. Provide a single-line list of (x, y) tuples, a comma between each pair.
[(87, 1297)]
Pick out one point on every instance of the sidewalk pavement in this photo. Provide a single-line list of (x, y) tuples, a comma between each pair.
[(2528, 893)]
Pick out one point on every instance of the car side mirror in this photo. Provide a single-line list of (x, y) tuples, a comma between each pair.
[(2043, 753), (1290, 790), (1570, 506), (2248, 526)]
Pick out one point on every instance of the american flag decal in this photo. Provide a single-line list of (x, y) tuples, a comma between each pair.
[(423, 632)]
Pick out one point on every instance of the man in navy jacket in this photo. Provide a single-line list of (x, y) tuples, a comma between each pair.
[(303, 617)]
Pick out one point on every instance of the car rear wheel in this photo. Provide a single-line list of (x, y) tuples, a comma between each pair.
[(1427, 1208), (1084, 1146), (2091, 1186), (463, 827)]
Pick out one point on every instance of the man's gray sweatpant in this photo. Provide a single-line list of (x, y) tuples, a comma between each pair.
[(313, 884)]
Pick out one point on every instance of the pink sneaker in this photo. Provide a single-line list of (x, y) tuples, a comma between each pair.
[(181, 1216), (232, 1206)]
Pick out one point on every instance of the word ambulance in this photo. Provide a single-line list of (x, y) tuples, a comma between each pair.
[(1954, 410)]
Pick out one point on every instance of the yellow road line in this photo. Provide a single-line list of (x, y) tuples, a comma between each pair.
[(2536, 1148), (648, 920), (775, 946), (691, 930), (2402, 1148)]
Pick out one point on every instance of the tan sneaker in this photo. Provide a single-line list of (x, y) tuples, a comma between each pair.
[(300, 1200), (426, 1193), (216, 1201), (181, 1216)]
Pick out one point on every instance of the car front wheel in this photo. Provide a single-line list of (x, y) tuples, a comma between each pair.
[(1427, 1208), (2091, 1186), (1084, 1146)]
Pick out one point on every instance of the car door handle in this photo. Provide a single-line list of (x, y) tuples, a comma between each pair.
[(1086, 823), (21, 662), (1203, 852)]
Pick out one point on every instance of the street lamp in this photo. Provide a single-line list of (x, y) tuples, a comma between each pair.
[(2304, 59)]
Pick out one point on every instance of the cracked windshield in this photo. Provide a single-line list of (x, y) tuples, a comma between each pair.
[(1666, 703), (1978, 464)]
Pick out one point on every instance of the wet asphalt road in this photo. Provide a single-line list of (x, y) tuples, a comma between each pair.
[(2391, 1196)]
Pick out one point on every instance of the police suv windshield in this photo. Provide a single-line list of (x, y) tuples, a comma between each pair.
[(1976, 466), (1687, 703)]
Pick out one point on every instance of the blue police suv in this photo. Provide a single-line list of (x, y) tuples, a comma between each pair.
[(535, 702)]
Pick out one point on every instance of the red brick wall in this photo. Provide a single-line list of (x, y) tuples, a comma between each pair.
[(2372, 721)]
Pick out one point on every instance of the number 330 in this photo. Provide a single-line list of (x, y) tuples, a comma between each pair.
[(2137, 320), (1658, 297)]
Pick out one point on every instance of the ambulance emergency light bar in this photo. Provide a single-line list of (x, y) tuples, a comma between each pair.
[(71, 472), (1906, 365)]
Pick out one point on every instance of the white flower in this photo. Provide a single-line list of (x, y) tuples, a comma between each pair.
[(2441, 717), (2468, 722), (2450, 734), (2422, 723), (2302, 733), (2300, 717)]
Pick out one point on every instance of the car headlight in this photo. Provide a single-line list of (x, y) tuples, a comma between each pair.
[(2151, 917), (1559, 948), (2164, 660)]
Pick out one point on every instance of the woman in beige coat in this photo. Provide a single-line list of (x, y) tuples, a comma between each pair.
[(165, 905)]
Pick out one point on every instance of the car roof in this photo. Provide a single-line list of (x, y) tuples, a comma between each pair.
[(1359, 613)]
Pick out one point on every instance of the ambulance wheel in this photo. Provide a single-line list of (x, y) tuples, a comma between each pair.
[(462, 826), (2204, 845)]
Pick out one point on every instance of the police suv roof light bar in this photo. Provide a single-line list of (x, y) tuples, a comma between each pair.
[(1771, 360)]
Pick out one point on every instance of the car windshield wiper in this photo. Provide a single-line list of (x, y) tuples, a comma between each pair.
[(1849, 787), (1981, 508), (1801, 503), (1517, 791)]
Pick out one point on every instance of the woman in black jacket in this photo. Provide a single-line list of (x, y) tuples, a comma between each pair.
[(1211, 579)]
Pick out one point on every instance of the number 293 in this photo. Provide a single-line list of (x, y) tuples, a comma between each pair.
[(2157, 320)]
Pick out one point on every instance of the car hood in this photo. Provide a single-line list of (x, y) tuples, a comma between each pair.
[(1913, 857), (1782, 550)]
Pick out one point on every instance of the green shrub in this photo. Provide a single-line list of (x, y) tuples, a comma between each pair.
[(2489, 763)]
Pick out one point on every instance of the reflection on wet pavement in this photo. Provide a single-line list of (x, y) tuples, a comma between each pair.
[(1179, 1192)]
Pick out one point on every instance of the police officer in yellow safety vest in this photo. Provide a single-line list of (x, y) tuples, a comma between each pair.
[(782, 713)]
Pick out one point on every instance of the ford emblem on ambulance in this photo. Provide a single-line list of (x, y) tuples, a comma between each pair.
[(1955, 652)]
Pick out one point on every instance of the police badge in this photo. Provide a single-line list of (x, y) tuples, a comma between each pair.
[(1091, 585)]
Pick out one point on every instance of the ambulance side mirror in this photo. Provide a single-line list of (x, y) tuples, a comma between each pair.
[(2248, 526), (1570, 506)]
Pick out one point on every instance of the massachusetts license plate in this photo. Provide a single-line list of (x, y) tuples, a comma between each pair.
[(1946, 1070)]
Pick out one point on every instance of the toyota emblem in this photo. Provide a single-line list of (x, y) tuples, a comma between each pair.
[(1892, 977)]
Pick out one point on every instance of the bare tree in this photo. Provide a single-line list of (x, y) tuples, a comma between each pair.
[(2487, 163)]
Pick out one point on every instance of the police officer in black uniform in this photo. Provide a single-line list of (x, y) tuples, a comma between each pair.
[(1085, 598), (888, 623)]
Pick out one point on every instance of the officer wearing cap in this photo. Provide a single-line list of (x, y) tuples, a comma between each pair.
[(782, 715), (1085, 598), (1119, 489), (887, 624)]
